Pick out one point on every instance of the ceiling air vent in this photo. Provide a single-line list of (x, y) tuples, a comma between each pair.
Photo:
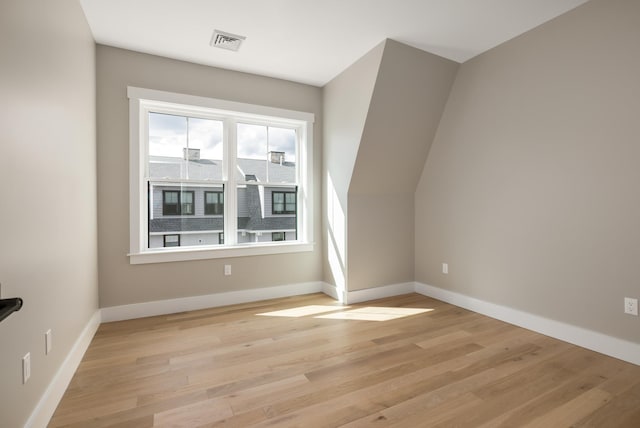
[(228, 41)]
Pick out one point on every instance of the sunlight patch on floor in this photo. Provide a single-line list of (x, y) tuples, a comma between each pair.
[(304, 311), (375, 313)]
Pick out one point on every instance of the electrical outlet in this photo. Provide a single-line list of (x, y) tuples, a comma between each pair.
[(26, 367), (227, 270), (631, 306), (445, 268), (47, 342)]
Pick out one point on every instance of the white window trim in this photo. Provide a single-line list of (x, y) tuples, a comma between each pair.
[(138, 125)]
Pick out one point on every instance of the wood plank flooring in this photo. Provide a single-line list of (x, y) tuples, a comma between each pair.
[(308, 362)]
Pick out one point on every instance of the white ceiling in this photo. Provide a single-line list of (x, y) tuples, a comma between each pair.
[(312, 41)]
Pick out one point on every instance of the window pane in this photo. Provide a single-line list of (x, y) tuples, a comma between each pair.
[(170, 205), (282, 155), (171, 240), (184, 216), (252, 153), (278, 202), (187, 203), (255, 221), (167, 135), (283, 202), (205, 149), (184, 147), (214, 203), (171, 197), (167, 142)]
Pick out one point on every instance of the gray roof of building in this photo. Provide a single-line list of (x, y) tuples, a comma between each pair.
[(167, 167), (285, 173), (209, 169)]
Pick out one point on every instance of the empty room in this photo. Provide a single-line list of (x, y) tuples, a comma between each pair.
[(303, 213)]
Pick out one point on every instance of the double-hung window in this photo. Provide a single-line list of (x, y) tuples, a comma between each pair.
[(170, 202), (283, 202), (214, 203), (175, 202), (220, 178), (171, 240)]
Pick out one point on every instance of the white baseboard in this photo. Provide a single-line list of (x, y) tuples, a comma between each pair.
[(192, 303), (599, 342), (357, 296), (333, 292), (367, 294), (49, 401)]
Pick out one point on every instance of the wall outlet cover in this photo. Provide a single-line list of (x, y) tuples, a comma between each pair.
[(631, 306)]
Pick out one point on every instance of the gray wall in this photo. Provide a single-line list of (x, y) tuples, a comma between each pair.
[(122, 283), (48, 250), (380, 117), (408, 99), (530, 190), (346, 102)]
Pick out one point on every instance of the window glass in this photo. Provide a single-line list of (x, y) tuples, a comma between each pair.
[(281, 155), (184, 147), (214, 203), (187, 203), (283, 202), (290, 202), (171, 202), (171, 240), (251, 153)]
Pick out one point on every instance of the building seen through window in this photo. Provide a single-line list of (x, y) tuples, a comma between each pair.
[(188, 183)]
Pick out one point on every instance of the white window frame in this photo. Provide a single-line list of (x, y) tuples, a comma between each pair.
[(142, 101)]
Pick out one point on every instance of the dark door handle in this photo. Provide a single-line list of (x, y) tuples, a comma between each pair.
[(8, 306)]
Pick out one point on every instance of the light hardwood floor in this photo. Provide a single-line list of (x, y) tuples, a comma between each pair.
[(317, 364)]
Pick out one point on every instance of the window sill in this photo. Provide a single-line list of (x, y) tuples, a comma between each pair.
[(186, 254)]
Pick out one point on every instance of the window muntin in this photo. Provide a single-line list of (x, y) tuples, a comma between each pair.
[(151, 174)]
